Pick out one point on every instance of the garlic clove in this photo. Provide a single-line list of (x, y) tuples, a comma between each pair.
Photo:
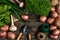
[(13, 28)]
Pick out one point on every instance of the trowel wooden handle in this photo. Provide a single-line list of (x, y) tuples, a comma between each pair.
[(19, 37), (29, 36)]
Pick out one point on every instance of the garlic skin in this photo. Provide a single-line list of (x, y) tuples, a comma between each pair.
[(13, 28), (21, 4)]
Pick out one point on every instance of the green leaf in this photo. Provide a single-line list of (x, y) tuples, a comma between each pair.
[(1, 23)]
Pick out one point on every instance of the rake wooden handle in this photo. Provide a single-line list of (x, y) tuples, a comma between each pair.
[(19, 37)]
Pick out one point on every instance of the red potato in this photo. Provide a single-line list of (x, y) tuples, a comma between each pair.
[(50, 20), (58, 9), (11, 35), (43, 18), (53, 27), (57, 22), (0, 33), (5, 28), (59, 30), (21, 4), (25, 17), (59, 0), (53, 37), (53, 9), (56, 32), (3, 35), (54, 14)]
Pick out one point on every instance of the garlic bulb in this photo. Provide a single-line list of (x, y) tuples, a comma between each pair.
[(13, 27)]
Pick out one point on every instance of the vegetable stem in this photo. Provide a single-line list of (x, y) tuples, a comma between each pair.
[(12, 23)]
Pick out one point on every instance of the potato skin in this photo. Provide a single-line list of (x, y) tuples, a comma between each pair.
[(56, 32), (25, 17), (43, 18), (50, 20), (53, 27), (57, 22), (58, 9), (3, 35), (53, 37), (11, 35), (5, 28), (54, 14), (53, 9)]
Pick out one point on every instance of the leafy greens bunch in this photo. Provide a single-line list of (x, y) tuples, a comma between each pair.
[(7, 8), (40, 7), (4, 15)]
